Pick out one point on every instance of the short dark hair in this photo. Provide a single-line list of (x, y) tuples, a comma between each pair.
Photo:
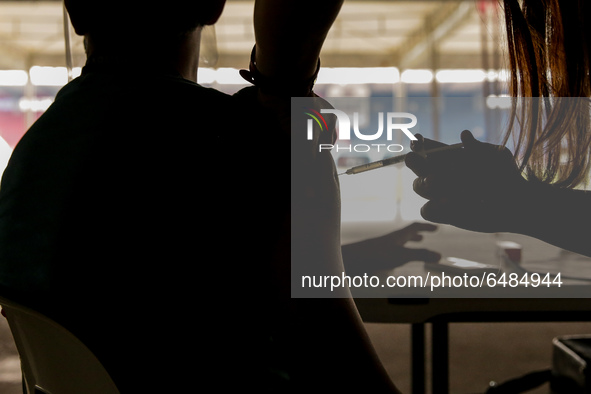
[(161, 20)]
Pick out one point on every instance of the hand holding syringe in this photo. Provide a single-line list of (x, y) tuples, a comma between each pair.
[(395, 160)]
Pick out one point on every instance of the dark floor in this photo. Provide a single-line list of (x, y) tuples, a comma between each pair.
[(479, 353)]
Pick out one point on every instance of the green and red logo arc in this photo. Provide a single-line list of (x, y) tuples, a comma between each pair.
[(317, 117)]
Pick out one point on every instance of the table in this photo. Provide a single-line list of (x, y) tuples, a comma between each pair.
[(441, 310)]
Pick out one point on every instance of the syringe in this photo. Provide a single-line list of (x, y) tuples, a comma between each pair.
[(395, 160)]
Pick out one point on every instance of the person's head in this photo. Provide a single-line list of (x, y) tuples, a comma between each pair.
[(549, 48), (129, 25)]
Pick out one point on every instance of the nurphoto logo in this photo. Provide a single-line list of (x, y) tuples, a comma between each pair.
[(391, 119)]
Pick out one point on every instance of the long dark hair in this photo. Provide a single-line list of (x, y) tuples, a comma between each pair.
[(549, 53)]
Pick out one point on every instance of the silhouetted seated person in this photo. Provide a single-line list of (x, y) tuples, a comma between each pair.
[(123, 209)]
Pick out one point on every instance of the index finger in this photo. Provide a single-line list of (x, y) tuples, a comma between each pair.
[(417, 164)]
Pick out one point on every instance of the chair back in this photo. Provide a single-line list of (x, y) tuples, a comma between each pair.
[(53, 360)]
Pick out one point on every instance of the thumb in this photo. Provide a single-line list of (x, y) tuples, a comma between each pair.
[(468, 139)]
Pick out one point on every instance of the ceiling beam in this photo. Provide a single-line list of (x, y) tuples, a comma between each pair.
[(438, 25)]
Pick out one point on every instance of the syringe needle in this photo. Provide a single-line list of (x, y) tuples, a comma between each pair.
[(394, 160)]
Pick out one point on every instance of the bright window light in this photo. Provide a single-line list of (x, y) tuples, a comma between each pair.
[(52, 76), (336, 76), (34, 105), (460, 76), (500, 75), (13, 78), (229, 76), (48, 76), (76, 72), (58, 76), (416, 76), (356, 75), (206, 75)]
